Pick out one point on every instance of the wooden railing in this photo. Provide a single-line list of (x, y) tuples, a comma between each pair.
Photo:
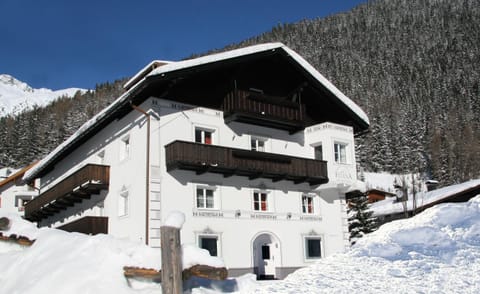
[(260, 109), (88, 180), (203, 158)]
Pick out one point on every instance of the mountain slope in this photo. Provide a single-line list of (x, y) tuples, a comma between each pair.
[(31, 135), (17, 96)]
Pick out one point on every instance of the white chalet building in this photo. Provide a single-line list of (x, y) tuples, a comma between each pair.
[(253, 145), (13, 192)]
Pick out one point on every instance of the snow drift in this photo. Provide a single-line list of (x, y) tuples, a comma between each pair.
[(437, 251)]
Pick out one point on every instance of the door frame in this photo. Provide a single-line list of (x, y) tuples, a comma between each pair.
[(259, 265)]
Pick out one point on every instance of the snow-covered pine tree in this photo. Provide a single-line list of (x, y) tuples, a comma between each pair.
[(360, 219)]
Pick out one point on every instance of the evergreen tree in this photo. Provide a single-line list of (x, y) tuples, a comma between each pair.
[(360, 219)]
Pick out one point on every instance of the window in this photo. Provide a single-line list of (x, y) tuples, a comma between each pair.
[(318, 152), (123, 202), (205, 198), (20, 201), (125, 148), (203, 136), (101, 157), (340, 151), (313, 248), (260, 201), (307, 204), (209, 243), (257, 144)]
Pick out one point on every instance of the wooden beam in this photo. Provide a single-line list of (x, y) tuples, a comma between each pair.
[(20, 240), (171, 260), (279, 178), (201, 271), (206, 272)]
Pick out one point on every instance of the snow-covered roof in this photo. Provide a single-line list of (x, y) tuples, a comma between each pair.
[(16, 174), (143, 72), (174, 66), (391, 206), (161, 68)]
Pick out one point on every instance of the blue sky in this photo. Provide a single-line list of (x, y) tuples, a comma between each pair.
[(59, 43)]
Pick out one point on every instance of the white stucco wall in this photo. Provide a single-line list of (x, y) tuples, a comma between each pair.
[(11, 195), (175, 190)]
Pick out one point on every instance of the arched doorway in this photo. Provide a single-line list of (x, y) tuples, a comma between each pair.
[(266, 255)]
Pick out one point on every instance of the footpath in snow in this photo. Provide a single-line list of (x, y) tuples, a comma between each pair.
[(437, 251)]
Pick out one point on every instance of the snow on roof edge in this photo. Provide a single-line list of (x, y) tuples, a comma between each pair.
[(386, 207), (318, 76), (215, 57), (144, 71), (260, 48), (31, 173)]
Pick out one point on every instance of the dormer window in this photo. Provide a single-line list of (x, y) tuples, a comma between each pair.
[(203, 136), (257, 144)]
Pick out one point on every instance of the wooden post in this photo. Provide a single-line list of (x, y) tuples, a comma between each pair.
[(171, 260)]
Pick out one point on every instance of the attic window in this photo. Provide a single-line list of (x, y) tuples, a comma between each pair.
[(125, 148)]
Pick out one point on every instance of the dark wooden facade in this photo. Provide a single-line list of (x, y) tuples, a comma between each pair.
[(90, 225), (82, 184), (203, 158), (259, 109)]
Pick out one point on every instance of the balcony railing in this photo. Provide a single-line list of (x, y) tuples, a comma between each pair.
[(203, 158), (81, 185), (260, 109)]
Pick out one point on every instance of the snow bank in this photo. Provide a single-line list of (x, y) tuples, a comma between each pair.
[(62, 262), (437, 251)]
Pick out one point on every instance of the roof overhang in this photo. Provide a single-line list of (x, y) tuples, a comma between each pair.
[(160, 76)]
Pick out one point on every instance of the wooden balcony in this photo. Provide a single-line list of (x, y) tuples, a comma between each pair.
[(259, 109), (203, 158), (81, 185)]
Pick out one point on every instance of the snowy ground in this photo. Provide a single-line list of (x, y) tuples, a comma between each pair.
[(438, 251)]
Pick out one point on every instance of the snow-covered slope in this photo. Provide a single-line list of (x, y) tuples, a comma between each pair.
[(437, 251), (17, 96)]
